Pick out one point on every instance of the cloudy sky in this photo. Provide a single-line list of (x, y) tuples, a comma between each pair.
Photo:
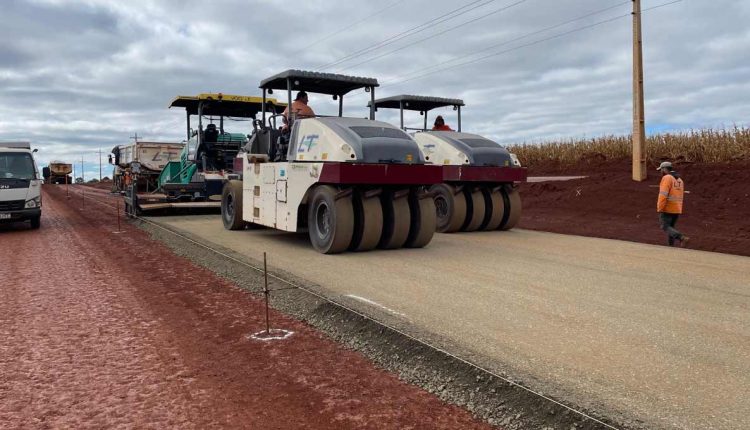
[(76, 76)]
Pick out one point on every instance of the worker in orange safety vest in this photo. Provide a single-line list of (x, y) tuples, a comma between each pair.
[(669, 205)]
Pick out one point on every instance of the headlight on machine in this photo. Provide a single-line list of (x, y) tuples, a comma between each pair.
[(514, 159), (36, 202)]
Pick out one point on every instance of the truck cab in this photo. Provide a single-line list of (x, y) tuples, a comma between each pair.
[(20, 184)]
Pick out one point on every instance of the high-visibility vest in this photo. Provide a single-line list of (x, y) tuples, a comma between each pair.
[(671, 192)]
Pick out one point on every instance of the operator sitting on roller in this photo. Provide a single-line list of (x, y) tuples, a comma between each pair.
[(299, 108), (440, 125), (669, 204)]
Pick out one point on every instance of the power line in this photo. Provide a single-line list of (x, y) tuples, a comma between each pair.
[(502, 9), (341, 30), (536, 42), (507, 42), (409, 32)]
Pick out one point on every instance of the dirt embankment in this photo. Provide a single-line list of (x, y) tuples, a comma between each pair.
[(609, 204)]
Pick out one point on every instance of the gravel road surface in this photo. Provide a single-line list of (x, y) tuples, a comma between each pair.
[(645, 333)]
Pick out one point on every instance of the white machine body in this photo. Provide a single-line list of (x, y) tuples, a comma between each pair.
[(273, 191)]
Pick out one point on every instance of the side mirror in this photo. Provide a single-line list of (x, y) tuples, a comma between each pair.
[(34, 151)]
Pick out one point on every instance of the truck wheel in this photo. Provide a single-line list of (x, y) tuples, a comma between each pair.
[(36, 222), (495, 209), (450, 208), (512, 215), (396, 221), (423, 221), (330, 221), (475, 210), (231, 206)]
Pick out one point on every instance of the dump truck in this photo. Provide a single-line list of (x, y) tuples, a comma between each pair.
[(195, 178), (351, 183), (480, 177), (57, 172), (146, 158)]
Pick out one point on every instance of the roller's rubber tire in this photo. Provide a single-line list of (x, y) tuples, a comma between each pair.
[(368, 223), (494, 209), (450, 208), (330, 221), (36, 222), (475, 210), (423, 221), (396, 221), (231, 205), (513, 209)]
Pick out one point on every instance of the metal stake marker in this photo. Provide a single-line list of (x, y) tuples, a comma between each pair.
[(265, 291), (83, 198)]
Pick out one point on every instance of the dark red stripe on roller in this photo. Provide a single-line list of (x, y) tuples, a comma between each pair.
[(484, 174), (387, 174)]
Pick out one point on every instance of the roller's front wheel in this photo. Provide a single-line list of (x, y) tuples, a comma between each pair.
[(494, 209), (368, 223), (423, 221), (330, 220), (513, 208), (475, 210), (450, 208), (396, 220), (231, 206)]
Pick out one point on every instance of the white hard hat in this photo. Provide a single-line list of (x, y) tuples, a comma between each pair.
[(664, 165)]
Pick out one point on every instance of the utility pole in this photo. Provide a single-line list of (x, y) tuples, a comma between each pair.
[(83, 179), (100, 164), (639, 121)]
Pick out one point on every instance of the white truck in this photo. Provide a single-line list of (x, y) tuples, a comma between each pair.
[(20, 184)]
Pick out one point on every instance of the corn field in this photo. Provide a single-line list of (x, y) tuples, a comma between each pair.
[(696, 146)]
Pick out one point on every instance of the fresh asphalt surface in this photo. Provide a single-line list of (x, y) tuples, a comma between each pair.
[(638, 331)]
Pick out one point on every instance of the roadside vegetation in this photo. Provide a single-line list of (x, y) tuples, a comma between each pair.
[(693, 146)]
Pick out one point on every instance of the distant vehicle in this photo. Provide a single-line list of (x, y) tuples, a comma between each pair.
[(58, 172), (195, 178), (20, 184), (148, 158)]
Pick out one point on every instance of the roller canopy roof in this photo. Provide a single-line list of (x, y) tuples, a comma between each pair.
[(227, 105), (418, 103), (315, 82)]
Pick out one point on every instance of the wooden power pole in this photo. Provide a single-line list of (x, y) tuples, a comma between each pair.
[(639, 121)]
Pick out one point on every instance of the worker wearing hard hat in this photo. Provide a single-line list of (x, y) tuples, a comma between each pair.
[(669, 204)]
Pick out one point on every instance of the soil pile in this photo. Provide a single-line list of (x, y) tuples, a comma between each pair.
[(609, 204)]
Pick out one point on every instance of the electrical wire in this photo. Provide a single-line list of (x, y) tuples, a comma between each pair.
[(343, 29), (516, 39), (536, 42), (502, 9), (409, 32)]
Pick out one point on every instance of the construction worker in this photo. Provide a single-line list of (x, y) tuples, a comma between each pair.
[(299, 107), (669, 204), (440, 125)]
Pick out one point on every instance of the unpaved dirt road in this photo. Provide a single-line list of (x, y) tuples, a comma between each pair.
[(103, 330), (659, 334)]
